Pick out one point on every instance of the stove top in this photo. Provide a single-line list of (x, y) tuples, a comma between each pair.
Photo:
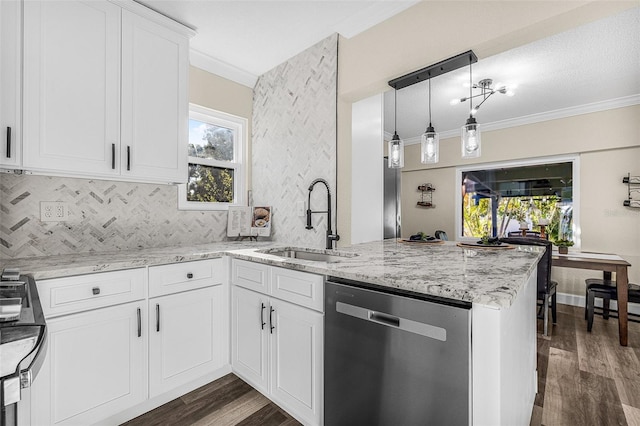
[(13, 296), (22, 325)]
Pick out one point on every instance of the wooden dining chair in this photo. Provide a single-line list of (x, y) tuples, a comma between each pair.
[(546, 288), (606, 289)]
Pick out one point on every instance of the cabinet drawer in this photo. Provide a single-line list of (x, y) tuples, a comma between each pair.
[(254, 276), (176, 277), (74, 294), (301, 288)]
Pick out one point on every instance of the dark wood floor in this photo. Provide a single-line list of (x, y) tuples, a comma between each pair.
[(584, 379), (587, 378), (227, 401)]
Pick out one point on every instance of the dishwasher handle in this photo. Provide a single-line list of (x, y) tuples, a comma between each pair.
[(384, 318)]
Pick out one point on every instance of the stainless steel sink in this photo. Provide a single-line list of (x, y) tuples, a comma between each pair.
[(306, 254)]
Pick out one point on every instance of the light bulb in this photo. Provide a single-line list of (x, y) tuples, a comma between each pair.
[(429, 146), (396, 152), (471, 139), (454, 101), (431, 151)]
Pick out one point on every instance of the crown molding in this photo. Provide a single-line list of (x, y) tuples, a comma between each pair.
[(625, 101), (155, 16), (221, 68)]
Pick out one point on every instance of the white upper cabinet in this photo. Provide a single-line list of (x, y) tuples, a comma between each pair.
[(154, 100), (72, 87), (105, 91), (10, 60)]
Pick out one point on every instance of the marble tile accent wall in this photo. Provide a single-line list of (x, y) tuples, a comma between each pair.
[(294, 141), (103, 216)]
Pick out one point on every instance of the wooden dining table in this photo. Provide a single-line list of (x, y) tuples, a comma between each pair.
[(607, 263)]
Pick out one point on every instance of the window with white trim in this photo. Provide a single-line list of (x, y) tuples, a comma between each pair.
[(526, 197), (216, 162)]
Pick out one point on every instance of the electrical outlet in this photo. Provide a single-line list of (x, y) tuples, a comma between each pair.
[(54, 211)]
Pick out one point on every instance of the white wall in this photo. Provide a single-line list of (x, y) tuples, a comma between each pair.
[(366, 168)]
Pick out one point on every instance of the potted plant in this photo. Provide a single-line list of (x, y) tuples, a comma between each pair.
[(546, 209), (520, 214), (563, 245)]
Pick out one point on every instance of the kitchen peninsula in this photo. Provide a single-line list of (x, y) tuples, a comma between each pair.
[(498, 285)]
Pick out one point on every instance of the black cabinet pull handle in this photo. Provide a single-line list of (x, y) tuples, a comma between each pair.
[(128, 158), (139, 323), (189, 275), (262, 323), (271, 326), (8, 142), (95, 290), (113, 156), (157, 317)]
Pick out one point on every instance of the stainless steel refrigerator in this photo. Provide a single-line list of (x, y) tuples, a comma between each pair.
[(391, 220)]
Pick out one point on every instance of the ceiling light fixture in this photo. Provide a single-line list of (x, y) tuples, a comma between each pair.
[(396, 146), (485, 91), (430, 141), (430, 144), (471, 140)]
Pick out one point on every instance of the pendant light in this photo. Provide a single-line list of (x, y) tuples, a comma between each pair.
[(430, 141), (471, 130), (396, 146)]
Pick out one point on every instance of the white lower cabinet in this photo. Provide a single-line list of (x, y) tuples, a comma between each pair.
[(111, 348), (250, 337), (185, 337), (296, 361), (96, 365), (277, 348)]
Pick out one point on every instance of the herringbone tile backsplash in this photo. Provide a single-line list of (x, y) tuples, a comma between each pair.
[(103, 216), (294, 141)]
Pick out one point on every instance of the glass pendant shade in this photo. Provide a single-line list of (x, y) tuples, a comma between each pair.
[(430, 146), (471, 139), (396, 152)]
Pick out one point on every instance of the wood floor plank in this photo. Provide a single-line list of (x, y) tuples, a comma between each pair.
[(626, 372), (536, 416), (561, 397), (206, 390), (200, 408), (600, 401), (592, 356), (158, 416), (542, 364), (632, 414), (269, 415), (564, 336), (290, 422), (236, 411)]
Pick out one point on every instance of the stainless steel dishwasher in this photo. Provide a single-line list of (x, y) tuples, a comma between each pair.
[(395, 360)]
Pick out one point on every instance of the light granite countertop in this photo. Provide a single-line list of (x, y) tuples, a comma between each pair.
[(487, 277)]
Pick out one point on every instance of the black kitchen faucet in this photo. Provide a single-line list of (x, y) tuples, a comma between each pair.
[(331, 237)]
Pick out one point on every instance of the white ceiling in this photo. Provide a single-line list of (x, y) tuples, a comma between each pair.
[(589, 68), (242, 39)]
